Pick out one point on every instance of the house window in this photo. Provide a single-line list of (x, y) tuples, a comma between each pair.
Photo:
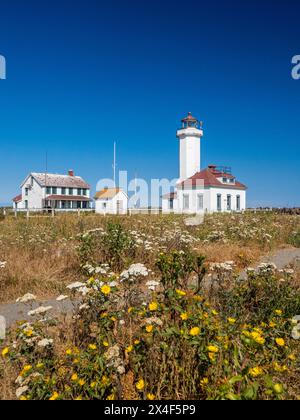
[(84, 192), (229, 202), (26, 204), (171, 204), (79, 191), (186, 202), (63, 191), (26, 191), (104, 206), (48, 190), (54, 190), (70, 191), (68, 204), (84, 205), (200, 202), (219, 202), (238, 203)]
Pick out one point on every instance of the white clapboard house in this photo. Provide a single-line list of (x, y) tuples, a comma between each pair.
[(111, 201), (52, 191), (210, 190)]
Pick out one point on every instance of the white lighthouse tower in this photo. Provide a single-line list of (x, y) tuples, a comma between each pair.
[(190, 147)]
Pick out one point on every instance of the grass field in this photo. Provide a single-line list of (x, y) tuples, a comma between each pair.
[(159, 310)]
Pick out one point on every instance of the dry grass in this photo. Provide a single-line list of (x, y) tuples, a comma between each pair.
[(42, 258)]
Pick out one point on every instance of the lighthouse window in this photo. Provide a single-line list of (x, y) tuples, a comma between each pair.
[(186, 202)]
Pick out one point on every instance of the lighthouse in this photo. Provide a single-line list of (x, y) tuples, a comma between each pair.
[(190, 147)]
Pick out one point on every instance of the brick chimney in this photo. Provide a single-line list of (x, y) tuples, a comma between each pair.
[(71, 172)]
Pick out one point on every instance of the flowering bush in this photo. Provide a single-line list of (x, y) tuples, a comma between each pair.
[(146, 335)]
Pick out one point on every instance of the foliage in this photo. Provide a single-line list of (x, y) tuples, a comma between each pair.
[(173, 343)]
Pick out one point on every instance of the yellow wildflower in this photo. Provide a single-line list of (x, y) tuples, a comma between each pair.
[(93, 347), (272, 324), (279, 368), (93, 385), (280, 342), (129, 349), (110, 397), (212, 356), (105, 344), (150, 397), (27, 368), (54, 396), (69, 352), (105, 290), (149, 328), (258, 338), (140, 385), (204, 382), (292, 357), (256, 371), (278, 388), (78, 398), (180, 292), (195, 331), (29, 333), (215, 313), (104, 380), (213, 349), (278, 312), (231, 321), (130, 310), (23, 398), (81, 382), (74, 377), (136, 342), (40, 365), (184, 316), (5, 352), (153, 306)]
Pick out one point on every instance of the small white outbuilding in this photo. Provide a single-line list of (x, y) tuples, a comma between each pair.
[(111, 201)]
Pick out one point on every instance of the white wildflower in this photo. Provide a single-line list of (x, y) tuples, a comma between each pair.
[(45, 342), (62, 298), (40, 311), (134, 272), (26, 298), (21, 391), (152, 285), (75, 286)]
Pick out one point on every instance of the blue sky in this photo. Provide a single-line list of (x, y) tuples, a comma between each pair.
[(83, 74)]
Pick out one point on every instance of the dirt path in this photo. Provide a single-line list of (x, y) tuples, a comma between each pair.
[(16, 312)]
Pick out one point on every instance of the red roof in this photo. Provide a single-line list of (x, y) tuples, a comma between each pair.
[(17, 199), (189, 118), (208, 178), (67, 198)]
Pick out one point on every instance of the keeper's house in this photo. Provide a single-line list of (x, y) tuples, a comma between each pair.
[(51, 191)]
